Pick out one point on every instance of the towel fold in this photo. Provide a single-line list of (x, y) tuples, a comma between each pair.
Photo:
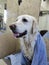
[(15, 59)]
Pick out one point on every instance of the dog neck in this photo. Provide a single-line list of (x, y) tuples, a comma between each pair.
[(27, 45)]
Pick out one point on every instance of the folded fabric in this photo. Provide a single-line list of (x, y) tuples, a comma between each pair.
[(46, 35), (15, 59)]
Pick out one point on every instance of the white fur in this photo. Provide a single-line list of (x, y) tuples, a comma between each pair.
[(27, 42)]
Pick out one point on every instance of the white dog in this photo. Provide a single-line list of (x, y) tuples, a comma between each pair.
[(26, 29)]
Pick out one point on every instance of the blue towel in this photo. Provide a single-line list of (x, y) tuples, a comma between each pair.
[(46, 35), (40, 55)]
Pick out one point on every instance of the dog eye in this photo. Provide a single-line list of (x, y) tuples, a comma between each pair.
[(24, 20)]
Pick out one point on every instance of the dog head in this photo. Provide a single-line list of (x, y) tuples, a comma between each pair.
[(25, 24)]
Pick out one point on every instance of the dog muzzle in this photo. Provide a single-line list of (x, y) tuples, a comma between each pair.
[(17, 34)]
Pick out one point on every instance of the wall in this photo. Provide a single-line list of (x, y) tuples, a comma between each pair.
[(30, 7), (44, 20)]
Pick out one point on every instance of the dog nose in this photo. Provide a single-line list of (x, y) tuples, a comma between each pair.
[(13, 27)]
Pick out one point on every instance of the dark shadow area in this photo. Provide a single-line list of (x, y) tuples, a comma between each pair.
[(42, 32)]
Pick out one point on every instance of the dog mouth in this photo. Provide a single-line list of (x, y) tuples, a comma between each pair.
[(15, 32), (18, 35)]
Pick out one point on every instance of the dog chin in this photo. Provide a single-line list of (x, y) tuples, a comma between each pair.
[(18, 35)]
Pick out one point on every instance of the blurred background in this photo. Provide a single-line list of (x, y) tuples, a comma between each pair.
[(9, 11)]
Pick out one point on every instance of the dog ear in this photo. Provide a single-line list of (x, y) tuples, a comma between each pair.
[(32, 30), (34, 26)]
